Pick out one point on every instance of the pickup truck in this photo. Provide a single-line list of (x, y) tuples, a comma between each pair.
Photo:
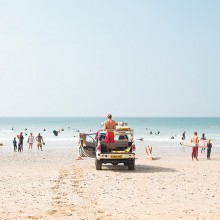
[(123, 150)]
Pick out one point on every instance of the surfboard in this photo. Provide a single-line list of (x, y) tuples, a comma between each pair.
[(149, 152), (202, 144)]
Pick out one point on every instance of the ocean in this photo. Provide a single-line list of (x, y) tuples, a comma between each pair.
[(68, 138)]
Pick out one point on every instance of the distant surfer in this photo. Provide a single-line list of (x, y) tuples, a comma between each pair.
[(184, 136), (55, 132), (172, 137), (195, 143), (151, 132), (12, 128)]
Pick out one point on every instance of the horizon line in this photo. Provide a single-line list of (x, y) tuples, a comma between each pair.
[(113, 117)]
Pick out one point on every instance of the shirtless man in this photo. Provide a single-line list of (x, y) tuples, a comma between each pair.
[(195, 142), (40, 141), (109, 126)]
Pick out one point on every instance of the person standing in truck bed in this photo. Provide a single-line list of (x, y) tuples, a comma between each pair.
[(110, 126)]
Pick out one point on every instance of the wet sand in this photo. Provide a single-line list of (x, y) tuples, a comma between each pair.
[(53, 185)]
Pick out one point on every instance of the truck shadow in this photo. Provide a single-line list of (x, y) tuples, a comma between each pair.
[(138, 169)]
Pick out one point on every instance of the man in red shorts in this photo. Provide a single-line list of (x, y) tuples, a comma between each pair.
[(195, 143), (110, 127)]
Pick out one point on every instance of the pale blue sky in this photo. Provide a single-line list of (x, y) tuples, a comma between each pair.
[(129, 58)]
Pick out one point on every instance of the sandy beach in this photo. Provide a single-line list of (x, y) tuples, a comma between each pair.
[(53, 185)]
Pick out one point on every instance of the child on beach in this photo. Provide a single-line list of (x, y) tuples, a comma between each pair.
[(15, 144), (209, 147)]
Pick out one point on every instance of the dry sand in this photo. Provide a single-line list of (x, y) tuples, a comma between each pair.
[(53, 185)]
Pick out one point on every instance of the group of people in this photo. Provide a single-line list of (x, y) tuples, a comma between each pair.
[(110, 125), (18, 145), (195, 146)]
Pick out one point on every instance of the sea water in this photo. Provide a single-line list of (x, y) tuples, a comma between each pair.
[(167, 127)]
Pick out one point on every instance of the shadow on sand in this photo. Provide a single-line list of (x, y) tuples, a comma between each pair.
[(138, 169), (212, 159)]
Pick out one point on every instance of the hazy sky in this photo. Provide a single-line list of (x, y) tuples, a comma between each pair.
[(128, 58)]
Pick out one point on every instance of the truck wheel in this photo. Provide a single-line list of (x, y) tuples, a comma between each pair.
[(131, 166), (98, 164)]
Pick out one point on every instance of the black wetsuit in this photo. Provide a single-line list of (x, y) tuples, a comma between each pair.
[(209, 147), (183, 136), (21, 141), (15, 144)]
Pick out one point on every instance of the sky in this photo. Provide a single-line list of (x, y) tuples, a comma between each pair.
[(158, 58)]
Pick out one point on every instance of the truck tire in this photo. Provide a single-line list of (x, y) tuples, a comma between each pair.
[(131, 166), (98, 164)]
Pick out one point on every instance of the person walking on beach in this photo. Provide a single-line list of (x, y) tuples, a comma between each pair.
[(21, 142), (40, 141), (209, 147), (109, 126), (15, 144), (30, 141), (203, 138), (195, 143)]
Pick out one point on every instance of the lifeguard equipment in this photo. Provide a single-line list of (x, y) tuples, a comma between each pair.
[(122, 126)]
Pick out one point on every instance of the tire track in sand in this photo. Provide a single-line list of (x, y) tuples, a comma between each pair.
[(72, 197)]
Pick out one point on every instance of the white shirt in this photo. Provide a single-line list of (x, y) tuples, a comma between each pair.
[(31, 139)]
